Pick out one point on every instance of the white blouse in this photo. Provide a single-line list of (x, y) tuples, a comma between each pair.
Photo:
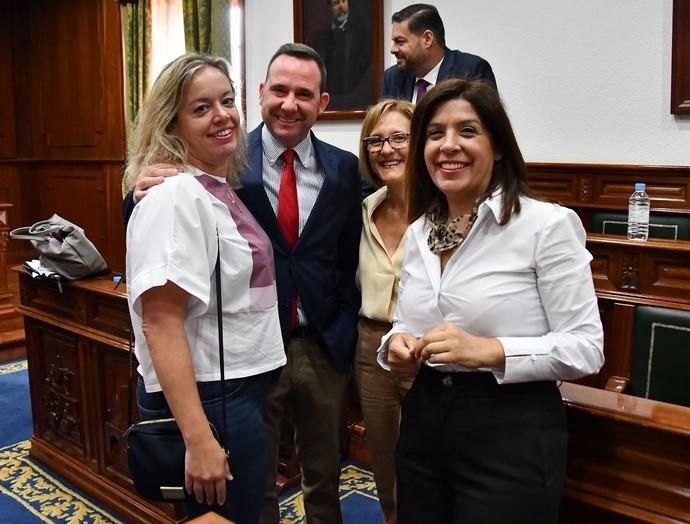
[(528, 283), (173, 236)]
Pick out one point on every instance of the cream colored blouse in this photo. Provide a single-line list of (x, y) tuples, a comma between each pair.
[(378, 272)]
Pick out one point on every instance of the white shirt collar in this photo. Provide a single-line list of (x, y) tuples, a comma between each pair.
[(273, 148), (432, 76)]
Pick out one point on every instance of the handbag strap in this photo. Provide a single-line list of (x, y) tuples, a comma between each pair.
[(219, 304), (221, 347)]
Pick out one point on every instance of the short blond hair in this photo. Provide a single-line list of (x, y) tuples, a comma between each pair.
[(370, 120), (152, 140)]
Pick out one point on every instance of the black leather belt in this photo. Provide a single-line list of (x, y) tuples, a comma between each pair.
[(302, 331)]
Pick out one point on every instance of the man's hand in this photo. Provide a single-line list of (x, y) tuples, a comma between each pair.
[(152, 176), (450, 344), (402, 357)]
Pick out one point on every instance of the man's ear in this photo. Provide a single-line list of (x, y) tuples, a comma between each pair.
[(323, 101), (428, 38)]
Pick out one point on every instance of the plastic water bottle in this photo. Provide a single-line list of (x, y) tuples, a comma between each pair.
[(638, 213)]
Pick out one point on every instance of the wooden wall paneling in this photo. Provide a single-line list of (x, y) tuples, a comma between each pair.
[(8, 138), (26, 73), (680, 58), (77, 192), (26, 208), (10, 192), (71, 79), (601, 186), (115, 254), (115, 141), (81, 92)]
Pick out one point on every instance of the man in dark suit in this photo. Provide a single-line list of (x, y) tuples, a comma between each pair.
[(318, 298), (423, 60), (319, 269)]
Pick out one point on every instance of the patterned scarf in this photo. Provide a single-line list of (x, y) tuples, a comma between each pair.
[(444, 237)]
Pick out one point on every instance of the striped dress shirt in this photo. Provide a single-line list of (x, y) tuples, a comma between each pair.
[(308, 174)]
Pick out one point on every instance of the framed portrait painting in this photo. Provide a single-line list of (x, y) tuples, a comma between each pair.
[(347, 36), (680, 60)]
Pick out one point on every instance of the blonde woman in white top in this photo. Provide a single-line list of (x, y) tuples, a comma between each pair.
[(382, 156)]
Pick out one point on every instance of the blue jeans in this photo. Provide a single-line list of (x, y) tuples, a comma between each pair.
[(245, 440)]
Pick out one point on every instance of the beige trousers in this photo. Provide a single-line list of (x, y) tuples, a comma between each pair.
[(381, 394)]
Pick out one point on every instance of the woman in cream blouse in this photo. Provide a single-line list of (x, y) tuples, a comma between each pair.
[(383, 154)]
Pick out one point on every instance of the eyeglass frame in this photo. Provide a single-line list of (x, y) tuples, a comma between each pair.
[(366, 141)]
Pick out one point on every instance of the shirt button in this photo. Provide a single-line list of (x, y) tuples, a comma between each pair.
[(447, 381)]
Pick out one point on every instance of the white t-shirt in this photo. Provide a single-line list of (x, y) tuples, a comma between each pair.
[(171, 236)]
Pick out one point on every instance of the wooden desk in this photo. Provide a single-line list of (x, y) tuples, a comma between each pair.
[(78, 371), (628, 458)]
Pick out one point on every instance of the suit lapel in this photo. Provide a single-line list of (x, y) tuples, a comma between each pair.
[(253, 193), (408, 87), (446, 66)]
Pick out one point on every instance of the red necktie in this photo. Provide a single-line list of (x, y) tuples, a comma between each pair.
[(288, 214), (421, 88)]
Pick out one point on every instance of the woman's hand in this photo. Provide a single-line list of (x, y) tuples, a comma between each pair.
[(205, 471), (402, 357), (152, 176), (450, 344)]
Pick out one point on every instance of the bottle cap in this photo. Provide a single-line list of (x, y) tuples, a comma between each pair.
[(640, 186)]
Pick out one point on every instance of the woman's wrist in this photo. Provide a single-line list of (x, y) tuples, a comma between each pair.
[(493, 354)]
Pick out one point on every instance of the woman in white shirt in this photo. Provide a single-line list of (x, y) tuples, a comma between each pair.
[(382, 157), (174, 237), (496, 304)]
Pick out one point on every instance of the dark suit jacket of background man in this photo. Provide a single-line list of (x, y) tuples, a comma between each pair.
[(456, 64), (323, 264)]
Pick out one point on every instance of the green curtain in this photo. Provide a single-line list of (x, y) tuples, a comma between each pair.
[(207, 26), (136, 30)]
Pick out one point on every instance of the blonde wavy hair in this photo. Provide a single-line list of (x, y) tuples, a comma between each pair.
[(372, 118), (153, 141)]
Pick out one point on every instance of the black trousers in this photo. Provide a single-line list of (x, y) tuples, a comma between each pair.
[(472, 451)]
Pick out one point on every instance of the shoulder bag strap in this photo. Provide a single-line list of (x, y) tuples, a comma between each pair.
[(219, 305), (221, 350)]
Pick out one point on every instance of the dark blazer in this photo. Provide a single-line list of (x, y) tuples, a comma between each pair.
[(456, 64), (323, 264)]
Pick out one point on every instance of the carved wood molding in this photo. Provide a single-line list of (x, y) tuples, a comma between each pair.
[(655, 272), (608, 186)]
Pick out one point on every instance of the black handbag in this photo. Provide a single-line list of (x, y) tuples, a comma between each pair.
[(156, 449)]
